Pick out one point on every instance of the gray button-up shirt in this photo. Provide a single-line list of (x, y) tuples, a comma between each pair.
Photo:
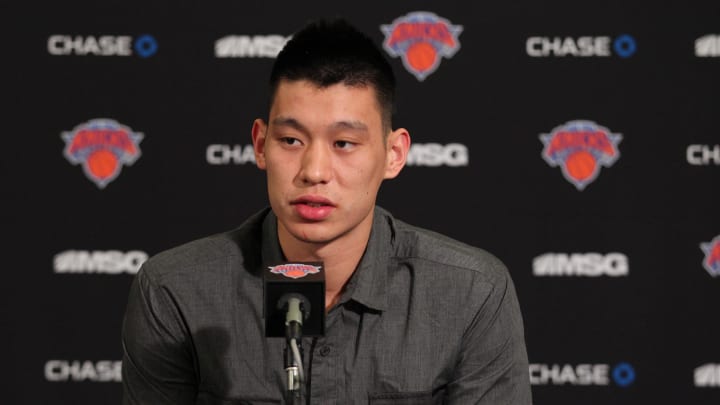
[(423, 320)]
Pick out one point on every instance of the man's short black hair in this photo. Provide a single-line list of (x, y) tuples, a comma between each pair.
[(328, 52)]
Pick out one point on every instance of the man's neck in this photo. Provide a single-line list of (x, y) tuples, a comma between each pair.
[(340, 257)]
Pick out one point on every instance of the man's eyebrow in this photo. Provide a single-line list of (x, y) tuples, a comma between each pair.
[(354, 125), (289, 122), (295, 124)]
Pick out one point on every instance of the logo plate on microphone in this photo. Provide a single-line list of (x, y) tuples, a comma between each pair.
[(294, 270), (304, 279)]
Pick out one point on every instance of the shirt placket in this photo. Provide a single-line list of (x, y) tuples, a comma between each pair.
[(326, 376)]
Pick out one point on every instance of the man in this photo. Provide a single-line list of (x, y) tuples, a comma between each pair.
[(412, 317)]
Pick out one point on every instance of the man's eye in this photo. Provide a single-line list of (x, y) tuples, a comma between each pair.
[(344, 144), (290, 141)]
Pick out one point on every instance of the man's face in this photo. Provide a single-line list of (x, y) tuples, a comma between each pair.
[(326, 155)]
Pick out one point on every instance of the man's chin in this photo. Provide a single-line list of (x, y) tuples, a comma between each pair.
[(315, 233), (313, 237)]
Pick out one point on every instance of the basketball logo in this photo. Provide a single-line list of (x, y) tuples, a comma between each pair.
[(294, 270), (711, 262), (420, 39), (102, 147), (580, 148)]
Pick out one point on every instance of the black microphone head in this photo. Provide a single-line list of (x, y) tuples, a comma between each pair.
[(297, 279)]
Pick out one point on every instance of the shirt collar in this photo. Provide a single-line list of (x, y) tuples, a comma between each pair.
[(271, 251), (368, 284)]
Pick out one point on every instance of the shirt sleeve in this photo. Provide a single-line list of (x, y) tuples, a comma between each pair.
[(157, 366), (493, 364)]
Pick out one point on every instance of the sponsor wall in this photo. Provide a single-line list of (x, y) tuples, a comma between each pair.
[(578, 144)]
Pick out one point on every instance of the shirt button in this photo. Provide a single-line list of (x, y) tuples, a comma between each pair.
[(325, 350)]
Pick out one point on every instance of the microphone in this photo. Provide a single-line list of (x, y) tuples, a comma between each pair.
[(294, 306), (302, 280)]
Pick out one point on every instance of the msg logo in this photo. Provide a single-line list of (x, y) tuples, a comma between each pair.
[(435, 154), (707, 375), (98, 261)]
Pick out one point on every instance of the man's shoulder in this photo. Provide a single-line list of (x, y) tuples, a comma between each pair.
[(195, 253), (215, 252), (443, 252)]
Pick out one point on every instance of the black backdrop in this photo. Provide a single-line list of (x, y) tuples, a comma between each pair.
[(645, 333)]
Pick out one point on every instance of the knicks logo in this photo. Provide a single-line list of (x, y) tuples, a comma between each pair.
[(580, 148), (102, 146), (712, 256), (421, 39), (294, 270)]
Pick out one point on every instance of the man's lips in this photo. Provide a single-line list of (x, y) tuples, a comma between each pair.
[(312, 200), (313, 208)]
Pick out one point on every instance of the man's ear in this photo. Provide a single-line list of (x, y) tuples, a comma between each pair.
[(259, 131), (398, 145)]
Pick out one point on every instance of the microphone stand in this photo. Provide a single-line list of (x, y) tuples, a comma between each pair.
[(293, 352)]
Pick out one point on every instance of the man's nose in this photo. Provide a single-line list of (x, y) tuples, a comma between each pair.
[(316, 164)]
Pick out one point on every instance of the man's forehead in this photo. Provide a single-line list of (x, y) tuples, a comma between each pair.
[(309, 85), (289, 91)]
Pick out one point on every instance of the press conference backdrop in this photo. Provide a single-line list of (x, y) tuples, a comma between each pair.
[(578, 143)]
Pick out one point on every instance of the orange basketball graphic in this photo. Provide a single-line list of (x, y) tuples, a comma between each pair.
[(580, 165), (102, 163), (421, 56), (295, 273)]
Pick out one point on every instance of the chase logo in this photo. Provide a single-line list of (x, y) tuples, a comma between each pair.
[(622, 374), (102, 146), (703, 155), (623, 46), (83, 371), (144, 46), (294, 270), (712, 256), (421, 38), (580, 148)]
